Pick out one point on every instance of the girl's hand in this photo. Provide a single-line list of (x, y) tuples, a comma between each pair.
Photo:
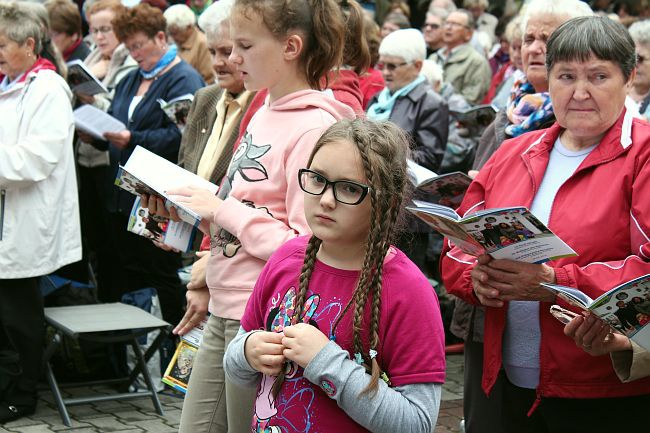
[(516, 281), (302, 342), (197, 277), (595, 337), (195, 311), (119, 139), (201, 201), (263, 352)]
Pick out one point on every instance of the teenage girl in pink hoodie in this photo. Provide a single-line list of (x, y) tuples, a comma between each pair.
[(285, 47)]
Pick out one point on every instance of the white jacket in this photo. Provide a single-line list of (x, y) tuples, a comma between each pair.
[(39, 222)]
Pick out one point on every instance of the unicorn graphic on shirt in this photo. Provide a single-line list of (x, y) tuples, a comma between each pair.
[(265, 404)]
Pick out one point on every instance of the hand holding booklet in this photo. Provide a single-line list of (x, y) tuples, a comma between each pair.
[(147, 173), (179, 369), (626, 307), (504, 233)]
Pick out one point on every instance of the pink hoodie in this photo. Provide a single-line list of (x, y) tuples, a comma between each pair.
[(264, 204)]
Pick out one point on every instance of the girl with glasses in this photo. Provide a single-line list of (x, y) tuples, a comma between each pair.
[(325, 333)]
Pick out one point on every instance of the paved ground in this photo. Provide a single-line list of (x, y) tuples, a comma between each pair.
[(139, 416)]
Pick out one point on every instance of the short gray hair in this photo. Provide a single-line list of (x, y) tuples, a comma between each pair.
[(214, 16), (513, 29), (581, 38), (640, 32), (438, 12), (447, 5), (480, 3), (433, 72), (179, 16), (471, 23), (408, 44), (560, 8), (18, 25)]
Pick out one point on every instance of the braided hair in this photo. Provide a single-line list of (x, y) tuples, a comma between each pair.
[(383, 148)]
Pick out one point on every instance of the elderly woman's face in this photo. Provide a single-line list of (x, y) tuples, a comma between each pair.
[(533, 48), (642, 80), (15, 58), (146, 51), (396, 72), (102, 30), (588, 98), (220, 46)]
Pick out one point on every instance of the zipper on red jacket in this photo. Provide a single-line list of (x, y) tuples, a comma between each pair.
[(3, 193), (538, 400)]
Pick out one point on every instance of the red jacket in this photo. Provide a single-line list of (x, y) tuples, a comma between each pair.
[(602, 211)]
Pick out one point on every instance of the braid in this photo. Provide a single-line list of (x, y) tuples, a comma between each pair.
[(305, 274)]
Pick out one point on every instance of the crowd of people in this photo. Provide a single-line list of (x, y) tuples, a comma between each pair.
[(322, 312)]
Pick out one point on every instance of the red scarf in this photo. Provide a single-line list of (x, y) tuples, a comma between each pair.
[(68, 52), (40, 64)]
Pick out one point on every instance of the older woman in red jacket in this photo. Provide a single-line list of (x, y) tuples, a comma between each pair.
[(587, 178)]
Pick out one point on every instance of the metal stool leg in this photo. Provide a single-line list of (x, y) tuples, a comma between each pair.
[(58, 398), (147, 377)]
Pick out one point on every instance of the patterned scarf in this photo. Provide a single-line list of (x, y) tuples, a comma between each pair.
[(527, 110)]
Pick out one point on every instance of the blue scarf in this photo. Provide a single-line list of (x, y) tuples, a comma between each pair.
[(164, 61), (381, 109)]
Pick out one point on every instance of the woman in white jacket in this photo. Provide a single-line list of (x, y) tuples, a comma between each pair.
[(39, 212)]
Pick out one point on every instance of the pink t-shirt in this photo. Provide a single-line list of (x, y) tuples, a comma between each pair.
[(411, 335)]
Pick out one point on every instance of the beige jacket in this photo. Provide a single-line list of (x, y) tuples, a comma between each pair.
[(632, 364)]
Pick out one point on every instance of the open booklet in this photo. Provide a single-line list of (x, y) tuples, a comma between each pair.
[(81, 80), (95, 122), (176, 234), (625, 308), (147, 173), (179, 369), (505, 233), (177, 109), (447, 189), (477, 117)]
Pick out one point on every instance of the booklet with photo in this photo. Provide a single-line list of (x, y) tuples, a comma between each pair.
[(505, 233), (475, 117), (177, 374), (446, 190), (81, 80), (176, 234), (626, 307), (95, 122), (147, 173), (177, 109)]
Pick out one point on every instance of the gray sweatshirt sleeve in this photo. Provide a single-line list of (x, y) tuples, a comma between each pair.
[(235, 364), (408, 408)]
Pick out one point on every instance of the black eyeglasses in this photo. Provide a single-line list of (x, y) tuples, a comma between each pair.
[(345, 191), (431, 26), (390, 66)]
